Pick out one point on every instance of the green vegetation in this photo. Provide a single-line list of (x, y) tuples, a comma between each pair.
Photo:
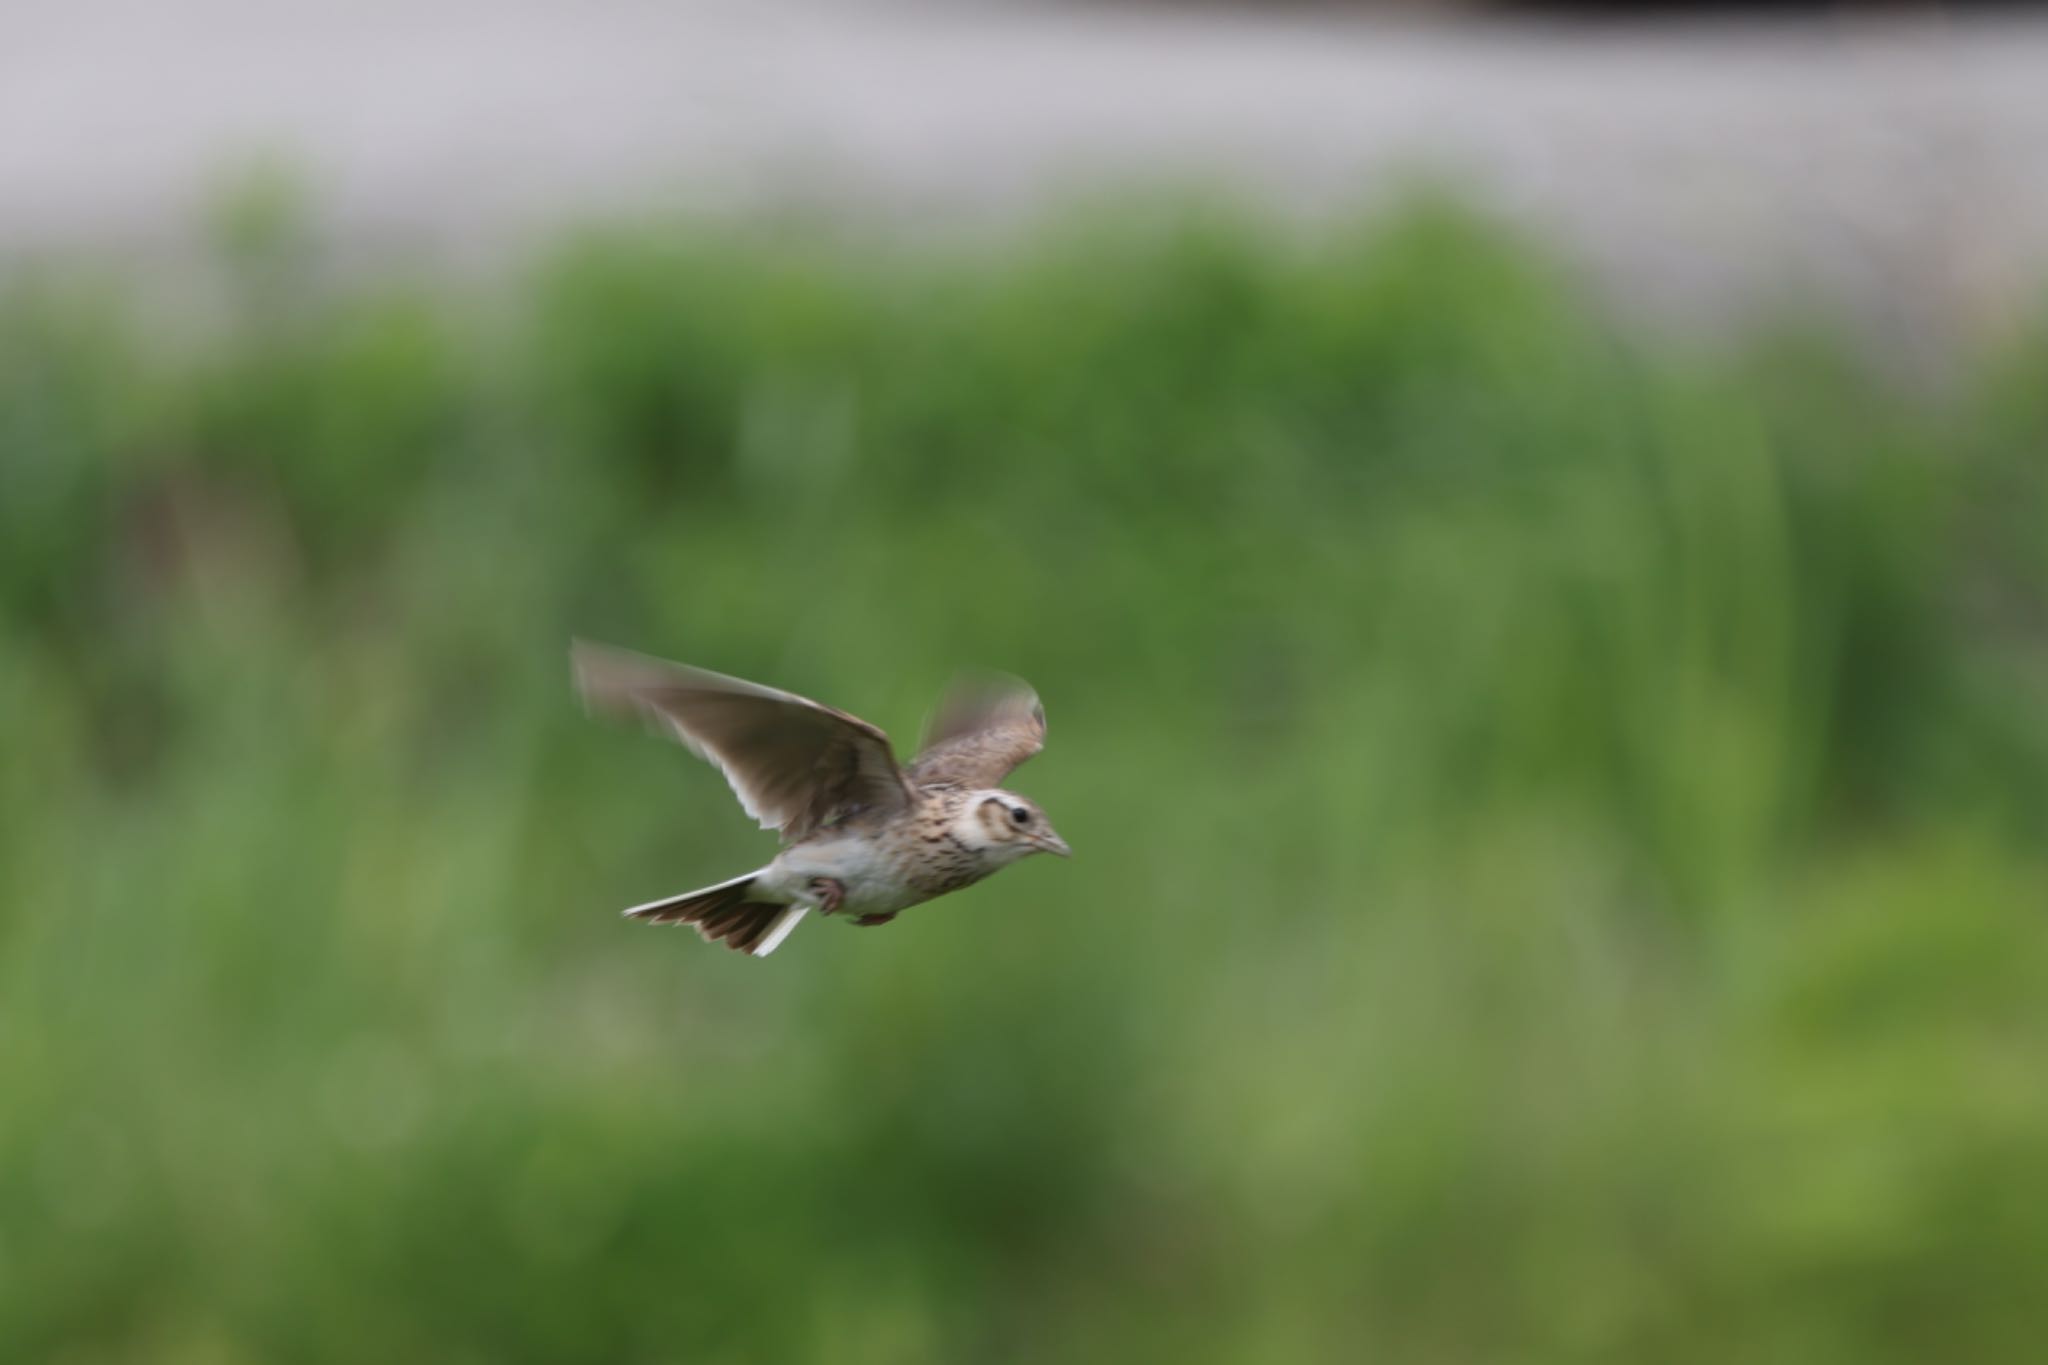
[(1559, 829)]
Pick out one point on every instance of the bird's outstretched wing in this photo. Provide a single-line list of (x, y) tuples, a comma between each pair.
[(983, 730), (796, 766)]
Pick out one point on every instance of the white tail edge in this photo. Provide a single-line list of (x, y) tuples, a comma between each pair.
[(785, 923)]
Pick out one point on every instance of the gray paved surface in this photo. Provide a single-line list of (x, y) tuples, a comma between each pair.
[(1903, 168)]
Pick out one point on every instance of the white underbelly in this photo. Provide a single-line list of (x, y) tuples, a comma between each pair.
[(873, 885)]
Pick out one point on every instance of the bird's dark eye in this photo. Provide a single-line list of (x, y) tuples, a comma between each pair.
[(1022, 817)]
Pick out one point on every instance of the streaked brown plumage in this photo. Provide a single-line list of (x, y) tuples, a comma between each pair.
[(860, 832)]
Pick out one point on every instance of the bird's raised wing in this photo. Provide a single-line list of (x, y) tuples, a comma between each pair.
[(796, 766), (983, 730)]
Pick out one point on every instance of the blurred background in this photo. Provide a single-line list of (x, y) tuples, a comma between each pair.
[(1531, 527)]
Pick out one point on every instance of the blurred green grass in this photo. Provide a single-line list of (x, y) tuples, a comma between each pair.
[(1559, 819)]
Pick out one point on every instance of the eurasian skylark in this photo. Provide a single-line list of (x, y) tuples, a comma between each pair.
[(860, 833)]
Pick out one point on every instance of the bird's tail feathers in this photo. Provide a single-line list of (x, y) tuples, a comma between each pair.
[(724, 914)]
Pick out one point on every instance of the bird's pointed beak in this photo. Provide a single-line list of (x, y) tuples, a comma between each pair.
[(1052, 843)]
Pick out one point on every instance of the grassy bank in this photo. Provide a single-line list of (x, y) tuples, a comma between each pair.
[(1558, 823)]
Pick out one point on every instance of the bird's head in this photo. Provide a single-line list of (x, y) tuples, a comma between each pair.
[(1010, 827)]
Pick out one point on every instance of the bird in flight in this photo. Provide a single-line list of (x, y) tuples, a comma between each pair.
[(861, 833)]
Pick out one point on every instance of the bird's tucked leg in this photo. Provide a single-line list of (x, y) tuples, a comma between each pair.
[(831, 894), (870, 921)]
